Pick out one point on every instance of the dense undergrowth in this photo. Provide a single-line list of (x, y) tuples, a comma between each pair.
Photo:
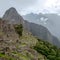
[(50, 51)]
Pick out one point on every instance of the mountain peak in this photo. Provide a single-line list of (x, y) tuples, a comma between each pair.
[(12, 9), (13, 16)]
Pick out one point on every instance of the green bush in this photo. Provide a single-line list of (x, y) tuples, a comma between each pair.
[(19, 29), (50, 51)]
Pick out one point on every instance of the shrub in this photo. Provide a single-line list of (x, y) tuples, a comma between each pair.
[(19, 29), (50, 51)]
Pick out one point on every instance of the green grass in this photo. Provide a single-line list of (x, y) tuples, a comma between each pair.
[(6, 57), (21, 56), (48, 50)]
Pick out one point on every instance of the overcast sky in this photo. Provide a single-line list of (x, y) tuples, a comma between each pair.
[(28, 6)]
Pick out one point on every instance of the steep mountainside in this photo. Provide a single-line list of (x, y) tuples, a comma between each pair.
[(15, 47), (37, 30), (51, 21), (42, 33), (26, 47)]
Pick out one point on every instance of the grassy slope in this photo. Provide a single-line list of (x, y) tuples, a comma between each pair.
[(27, 47), (50, 51), (21, 49)]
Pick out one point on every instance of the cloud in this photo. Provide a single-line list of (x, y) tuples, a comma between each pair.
[(22, 3), (28, 6), (52, 6), (44, 6)]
